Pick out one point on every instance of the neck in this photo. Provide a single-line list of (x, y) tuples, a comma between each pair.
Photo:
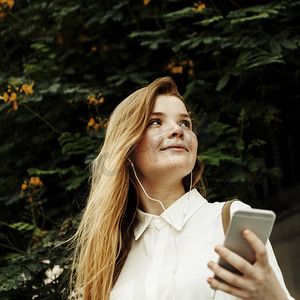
[(166, 194)]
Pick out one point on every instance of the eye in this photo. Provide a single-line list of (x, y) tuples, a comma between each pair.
[(155, 122), (186, 123)]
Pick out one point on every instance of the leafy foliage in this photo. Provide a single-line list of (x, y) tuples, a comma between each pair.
[(64, 66)]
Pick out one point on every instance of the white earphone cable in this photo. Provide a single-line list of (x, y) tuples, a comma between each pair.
[(164, 209), (214, 294), (133, 168), (156, 200)]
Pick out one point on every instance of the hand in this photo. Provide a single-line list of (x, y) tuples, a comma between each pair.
[(257, 282)]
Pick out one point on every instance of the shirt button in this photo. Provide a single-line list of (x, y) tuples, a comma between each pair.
[(157, 221)]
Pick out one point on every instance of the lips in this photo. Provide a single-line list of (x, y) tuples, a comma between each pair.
[(175, 147)]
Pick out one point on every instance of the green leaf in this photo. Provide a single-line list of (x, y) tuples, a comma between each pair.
[(209, 21), (38, 172), (222, 82), (290, 44), (219, 128), (263, 15), (240, 144), (75, 182), (275, 46), (256, 143), (22, 226), (238, 176), (215, 158), (74, 144), (52, 89), (183, 13)]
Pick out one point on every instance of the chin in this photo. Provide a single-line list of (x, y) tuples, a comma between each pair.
[(181, 167), (178, 161)]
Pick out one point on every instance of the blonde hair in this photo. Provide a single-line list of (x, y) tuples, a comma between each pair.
[(104, 236)]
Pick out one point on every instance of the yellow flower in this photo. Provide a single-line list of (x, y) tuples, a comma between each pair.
[(199, 6), (24, 186), (146, 2), (96, 126), (13, 97), (27, 89), (94, 48), (95, 99), (35, 181), (5, 97), (176, 70), (191, 72), (91, 122), (170, 65), (15, 106), (10, 3), (92, 100)]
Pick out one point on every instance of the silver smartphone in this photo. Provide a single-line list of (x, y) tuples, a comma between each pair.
[(260, 221)]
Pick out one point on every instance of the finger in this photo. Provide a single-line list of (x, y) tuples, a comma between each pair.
[(230, 278), (216, 284), (235, 260), (257, 245)]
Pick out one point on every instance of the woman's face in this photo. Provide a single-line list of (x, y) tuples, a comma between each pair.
[(168, 148)]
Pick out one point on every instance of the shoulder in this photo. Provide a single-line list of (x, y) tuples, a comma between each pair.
[(217, 207), (213, 212), (203, 209), (237, 205)]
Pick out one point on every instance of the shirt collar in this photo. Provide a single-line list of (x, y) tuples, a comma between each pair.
[(176, 215)]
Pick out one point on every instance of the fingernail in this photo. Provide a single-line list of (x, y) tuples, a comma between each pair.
[(210, 264), (246, 232), (218, 248)]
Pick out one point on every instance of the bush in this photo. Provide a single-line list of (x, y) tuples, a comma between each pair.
[(64, 66)]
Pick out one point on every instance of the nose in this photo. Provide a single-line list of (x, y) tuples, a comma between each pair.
[(176, 132)]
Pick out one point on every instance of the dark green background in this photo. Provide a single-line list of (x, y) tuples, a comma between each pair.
[(242, 87)]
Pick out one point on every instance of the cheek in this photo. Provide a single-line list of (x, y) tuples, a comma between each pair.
[(193, 142), (144, 150)]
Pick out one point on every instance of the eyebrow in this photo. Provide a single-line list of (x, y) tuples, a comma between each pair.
[(163, 114)]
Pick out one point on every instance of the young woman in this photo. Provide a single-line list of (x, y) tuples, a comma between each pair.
[(146, 232)]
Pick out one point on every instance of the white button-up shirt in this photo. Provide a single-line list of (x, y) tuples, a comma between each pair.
[(169, 255)]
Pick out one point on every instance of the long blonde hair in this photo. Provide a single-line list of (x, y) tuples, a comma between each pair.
[(104, 236)]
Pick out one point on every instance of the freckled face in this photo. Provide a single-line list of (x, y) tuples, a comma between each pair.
[(169, 146)]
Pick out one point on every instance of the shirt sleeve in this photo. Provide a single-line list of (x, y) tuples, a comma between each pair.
[(271, 256)]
